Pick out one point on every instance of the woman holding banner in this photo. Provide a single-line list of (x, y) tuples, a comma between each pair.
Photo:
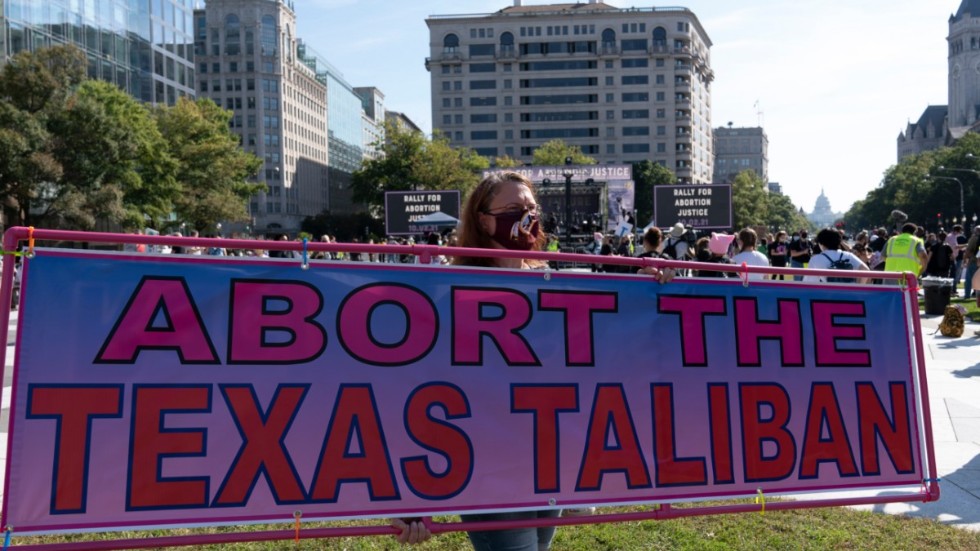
[(503, 213)]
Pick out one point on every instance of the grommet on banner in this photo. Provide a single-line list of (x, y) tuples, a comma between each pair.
[(306, 256), (760, 498), (30, 242), (297, 515), (745, 275), (6, 537)]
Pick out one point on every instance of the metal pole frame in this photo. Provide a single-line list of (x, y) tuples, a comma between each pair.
[(929, 491)]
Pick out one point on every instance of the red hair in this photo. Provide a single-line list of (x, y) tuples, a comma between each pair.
[(471, 232)]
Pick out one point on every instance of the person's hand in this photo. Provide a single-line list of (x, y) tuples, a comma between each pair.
[(412, 532), (662, 275)]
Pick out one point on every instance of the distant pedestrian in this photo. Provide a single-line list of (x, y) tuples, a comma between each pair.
[(748, 254)]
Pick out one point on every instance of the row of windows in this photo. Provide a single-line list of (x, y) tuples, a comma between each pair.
[(563, 65), (587, 149), (450, 42)]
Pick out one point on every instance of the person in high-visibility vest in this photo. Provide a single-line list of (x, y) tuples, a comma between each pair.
[(905, 252)]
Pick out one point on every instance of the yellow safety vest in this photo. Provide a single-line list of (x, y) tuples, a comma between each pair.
[(553, 247), (901, 255)]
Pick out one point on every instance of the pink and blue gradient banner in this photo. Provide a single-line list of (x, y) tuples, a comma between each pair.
[(172, 391)]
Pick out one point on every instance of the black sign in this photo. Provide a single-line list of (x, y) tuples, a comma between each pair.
[(402, 208), (701, 206)]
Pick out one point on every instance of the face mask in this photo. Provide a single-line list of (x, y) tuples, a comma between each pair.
[(517, 230)]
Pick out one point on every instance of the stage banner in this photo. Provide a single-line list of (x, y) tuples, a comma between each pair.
[(168, 390)]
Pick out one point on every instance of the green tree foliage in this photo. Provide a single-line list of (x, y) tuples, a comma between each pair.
[(783, 215), (411, 161), (77, 151), (750, 205), (556, 151), (506, 161), (213, 169), (345, 227), (646, 175), (911, 187), (74, 152)]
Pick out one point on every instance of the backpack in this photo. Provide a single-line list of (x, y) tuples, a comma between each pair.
[(670, 249), (840, 264), (952, 324)]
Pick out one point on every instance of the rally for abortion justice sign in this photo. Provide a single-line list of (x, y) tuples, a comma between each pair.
[(161, 391)]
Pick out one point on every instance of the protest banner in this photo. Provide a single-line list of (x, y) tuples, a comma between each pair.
[(188, 391), (404, 208), (699, 206)]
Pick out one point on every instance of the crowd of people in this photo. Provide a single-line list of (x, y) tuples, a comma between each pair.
[(951, 256)]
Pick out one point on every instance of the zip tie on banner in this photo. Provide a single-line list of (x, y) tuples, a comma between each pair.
[(745, 275), (30, 242), (297, 515), (306, 256), (761, 498), (6, 538)]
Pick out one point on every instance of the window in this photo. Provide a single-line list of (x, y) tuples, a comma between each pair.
[(508, 117), (450, 44), (661, 113), (635, 79), (268, 36), (636, 131), (447, 120), (445, 86), (635, 63), (482, 102), (636, 113), (481, 118), (636, 96), (445, 103), (661, 130), (457, 85), (610, 115), (482, 49), (480, 67), (483, 84), (445, 69), (659, 36), (634, 44), (508, 100), (610, 81), (508, 134), (661, 147), (610, 149), (458, 119), (608, 38), (610, 97), (203, 68), (636, 148), (457, 102), (660, 96), (232, 35)]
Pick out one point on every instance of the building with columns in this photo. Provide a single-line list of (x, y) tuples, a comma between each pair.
[(625, 85)]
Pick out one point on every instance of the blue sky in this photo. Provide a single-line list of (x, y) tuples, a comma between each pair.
[(833, 82)]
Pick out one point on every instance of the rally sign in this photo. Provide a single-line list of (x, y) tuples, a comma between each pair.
[(168, 391), (700, 206), (404, 208)]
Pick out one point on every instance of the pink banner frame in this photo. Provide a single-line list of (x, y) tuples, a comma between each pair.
[(928, 492)]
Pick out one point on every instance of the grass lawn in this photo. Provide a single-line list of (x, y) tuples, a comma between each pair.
[(829, 528)]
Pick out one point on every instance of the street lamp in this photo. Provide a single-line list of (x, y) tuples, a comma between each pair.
[(568, 201), (957, 180)]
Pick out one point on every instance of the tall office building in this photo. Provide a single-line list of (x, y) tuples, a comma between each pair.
[(249, 62), (625, 85), (143, 46), (738, 149)]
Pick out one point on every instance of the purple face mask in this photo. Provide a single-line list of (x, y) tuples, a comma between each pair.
[(516, 230)]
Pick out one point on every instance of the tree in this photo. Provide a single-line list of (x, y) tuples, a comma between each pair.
[(506, 161), (556, 151), (783, 214), (749, 204), (213, 169), (410, 161), (646, 175), (77, 151)]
